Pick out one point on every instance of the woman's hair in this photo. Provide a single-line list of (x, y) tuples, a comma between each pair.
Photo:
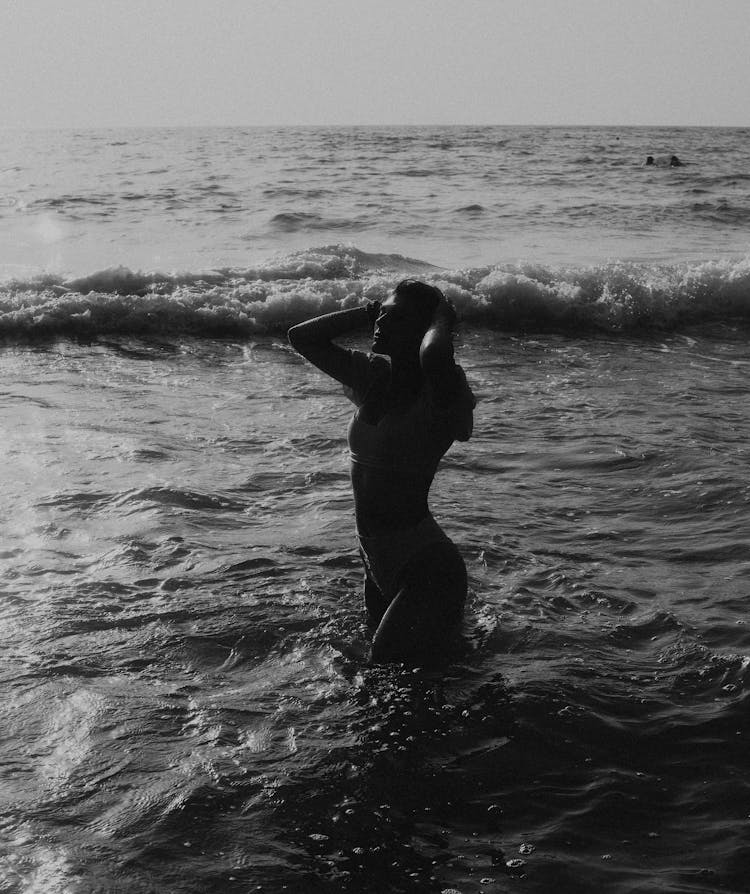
[(423, 298)]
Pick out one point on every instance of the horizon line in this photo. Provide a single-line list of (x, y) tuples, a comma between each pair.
[(215, 126)]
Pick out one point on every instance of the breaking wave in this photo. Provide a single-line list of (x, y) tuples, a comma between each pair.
[(617, 297)]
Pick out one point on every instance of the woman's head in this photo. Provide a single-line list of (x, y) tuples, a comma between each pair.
[(404, 318), (423, 299)]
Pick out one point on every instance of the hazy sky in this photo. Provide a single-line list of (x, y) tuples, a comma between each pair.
[(148, 62)]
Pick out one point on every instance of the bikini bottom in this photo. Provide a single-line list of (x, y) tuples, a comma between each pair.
[(386, 556)]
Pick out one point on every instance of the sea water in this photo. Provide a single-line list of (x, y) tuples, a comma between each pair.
[(187, 703)]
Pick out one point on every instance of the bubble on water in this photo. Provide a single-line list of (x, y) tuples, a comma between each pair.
[(526, 849)]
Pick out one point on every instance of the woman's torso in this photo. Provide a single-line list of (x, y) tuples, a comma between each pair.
[(396, 441)]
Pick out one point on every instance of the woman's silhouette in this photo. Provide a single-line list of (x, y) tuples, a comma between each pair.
[(412, 402)]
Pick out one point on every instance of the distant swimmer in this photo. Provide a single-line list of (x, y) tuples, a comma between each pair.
[(412, 402), (664, 161)]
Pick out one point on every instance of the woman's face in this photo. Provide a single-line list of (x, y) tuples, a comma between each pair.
[(399, 329)]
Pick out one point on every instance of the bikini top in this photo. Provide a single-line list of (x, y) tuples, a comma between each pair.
[(411, 441)]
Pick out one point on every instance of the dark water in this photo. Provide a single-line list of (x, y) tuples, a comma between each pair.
[(187, 704)]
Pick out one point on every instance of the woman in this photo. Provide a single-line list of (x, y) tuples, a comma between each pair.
[(412, 402)]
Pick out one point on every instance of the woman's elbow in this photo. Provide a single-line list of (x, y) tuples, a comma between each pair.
[(304, 342), (463, 426), (295, 338)]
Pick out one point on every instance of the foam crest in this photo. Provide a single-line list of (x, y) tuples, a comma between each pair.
[(616, 297)]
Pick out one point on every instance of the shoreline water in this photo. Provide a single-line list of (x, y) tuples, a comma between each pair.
[(184, 644)]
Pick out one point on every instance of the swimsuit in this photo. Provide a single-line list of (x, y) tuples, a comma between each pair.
[(386, 555), (405, 444), (409, 442)]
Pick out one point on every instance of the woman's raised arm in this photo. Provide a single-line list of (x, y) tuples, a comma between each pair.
[(314, 340), (445, 379)]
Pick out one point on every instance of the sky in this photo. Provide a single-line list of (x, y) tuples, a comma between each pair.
[(109, 63)]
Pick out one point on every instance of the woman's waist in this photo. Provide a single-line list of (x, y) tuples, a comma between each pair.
[(405, 463), (383, 478), (425, 528), (383, 503), (373, 520)]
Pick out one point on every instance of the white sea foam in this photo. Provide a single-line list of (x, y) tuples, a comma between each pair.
[(269, 297)]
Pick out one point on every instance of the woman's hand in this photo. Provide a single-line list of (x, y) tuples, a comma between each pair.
[(445, 313), (373, 312)]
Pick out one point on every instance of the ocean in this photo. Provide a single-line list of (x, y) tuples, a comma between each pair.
[(187, 704)]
